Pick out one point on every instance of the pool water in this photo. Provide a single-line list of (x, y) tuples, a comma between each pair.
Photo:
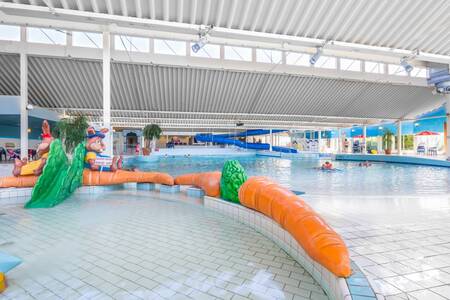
[(302, 175)]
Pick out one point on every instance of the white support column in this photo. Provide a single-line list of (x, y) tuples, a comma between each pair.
[(319, 139), (23, 106), (271, 140), (339, 140), (399, 137), (364, 148), (447, 130), (107, 91)]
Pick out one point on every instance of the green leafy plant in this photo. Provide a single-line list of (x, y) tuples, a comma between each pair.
[(151, 133), (72, 131), (387, 141)]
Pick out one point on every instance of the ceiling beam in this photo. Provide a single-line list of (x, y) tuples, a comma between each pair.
[(180, 11), (109, 7), (245, 14), (80, 5), (232, 13), (94, 5), (193, 11), (138, 7), (124, 8), (206, 12), (293, 17), (219, 13), (166, 9), (258, 13)]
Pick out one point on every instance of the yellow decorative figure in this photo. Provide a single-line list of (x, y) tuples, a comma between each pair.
[(2, 282)]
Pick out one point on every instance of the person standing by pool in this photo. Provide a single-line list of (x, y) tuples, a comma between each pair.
[(137, 148)]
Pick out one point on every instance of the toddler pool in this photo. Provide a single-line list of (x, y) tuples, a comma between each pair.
[(296, 174)]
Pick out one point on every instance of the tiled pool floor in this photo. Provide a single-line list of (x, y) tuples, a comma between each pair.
[(134, 245), (402, 243)]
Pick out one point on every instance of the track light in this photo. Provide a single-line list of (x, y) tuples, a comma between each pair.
[(315, 57), (407, 66), (202, 38)]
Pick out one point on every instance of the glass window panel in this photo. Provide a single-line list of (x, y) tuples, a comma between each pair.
[(419, 72), (350, 65), (268, 56), (9, 33), (208, 51), (396, 70), (131, 43), (297, 59), (87, 39), (170, 47), (238, 53), (374, 67), (326, 62), (46, 36)]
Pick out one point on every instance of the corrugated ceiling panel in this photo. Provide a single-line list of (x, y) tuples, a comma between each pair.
[(65, 83)]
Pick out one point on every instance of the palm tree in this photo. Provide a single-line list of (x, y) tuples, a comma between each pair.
[(151, 133), (71, 131)]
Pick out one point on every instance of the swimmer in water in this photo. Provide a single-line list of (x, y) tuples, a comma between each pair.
[(365, 164), (327, 166)]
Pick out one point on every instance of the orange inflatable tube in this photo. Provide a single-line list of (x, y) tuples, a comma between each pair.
[(318, 239), (209, 182), (96, 178), (18, 182), (120, 176)]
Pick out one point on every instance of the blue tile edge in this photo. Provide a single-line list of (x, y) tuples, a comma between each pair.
[(358, 285)]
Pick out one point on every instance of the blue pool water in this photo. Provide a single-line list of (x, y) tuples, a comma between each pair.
[(298, 174)]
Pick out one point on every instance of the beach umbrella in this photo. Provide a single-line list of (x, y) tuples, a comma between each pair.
[(426, 133)]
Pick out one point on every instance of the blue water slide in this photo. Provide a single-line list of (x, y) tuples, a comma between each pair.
[(224, 139)]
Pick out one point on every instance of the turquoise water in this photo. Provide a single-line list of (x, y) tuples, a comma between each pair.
[(301, 175)]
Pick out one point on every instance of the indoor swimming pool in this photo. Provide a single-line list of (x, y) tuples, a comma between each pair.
[(302, 174)]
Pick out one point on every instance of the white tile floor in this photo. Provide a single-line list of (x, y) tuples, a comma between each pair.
[(401, 243), (122, 246)]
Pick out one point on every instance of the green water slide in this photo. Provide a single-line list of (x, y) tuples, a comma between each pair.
[(59, 178)]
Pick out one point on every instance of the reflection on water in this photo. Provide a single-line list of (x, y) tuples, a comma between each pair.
[(379, 179)]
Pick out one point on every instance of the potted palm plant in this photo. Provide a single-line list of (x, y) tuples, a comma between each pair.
[(151, 133), (71, 131), (387, 141)]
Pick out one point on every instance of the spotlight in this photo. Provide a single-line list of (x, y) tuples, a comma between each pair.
[(408, 67), (30, 107), (199, 45), (202, 38), (315, 57)]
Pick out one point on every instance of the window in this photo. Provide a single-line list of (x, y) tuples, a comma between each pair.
[(350, 65), (419, 72), (208, 51), (374, 67), (238, 53), (170, 47), (396, 70), (131, 43), (87, 39), (268, 56), (9, 33), (326, 62), (297, 59), (46, 36)]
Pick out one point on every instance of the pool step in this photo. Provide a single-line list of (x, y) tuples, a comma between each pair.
[(146, 186), (169, 189), (195, 192)]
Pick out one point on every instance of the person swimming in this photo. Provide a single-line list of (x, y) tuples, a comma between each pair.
[(327, 166), (365, 164)]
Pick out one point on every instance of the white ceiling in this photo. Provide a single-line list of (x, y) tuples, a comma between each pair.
[(399, 24), (140, 93)]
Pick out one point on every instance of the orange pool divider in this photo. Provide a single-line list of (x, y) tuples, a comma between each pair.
[(120, 176), (318, 239), (209, 182), (18, 182), (96, 178)]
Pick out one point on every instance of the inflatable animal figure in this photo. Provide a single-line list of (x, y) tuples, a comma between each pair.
[(93, 159), (23, 167)]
